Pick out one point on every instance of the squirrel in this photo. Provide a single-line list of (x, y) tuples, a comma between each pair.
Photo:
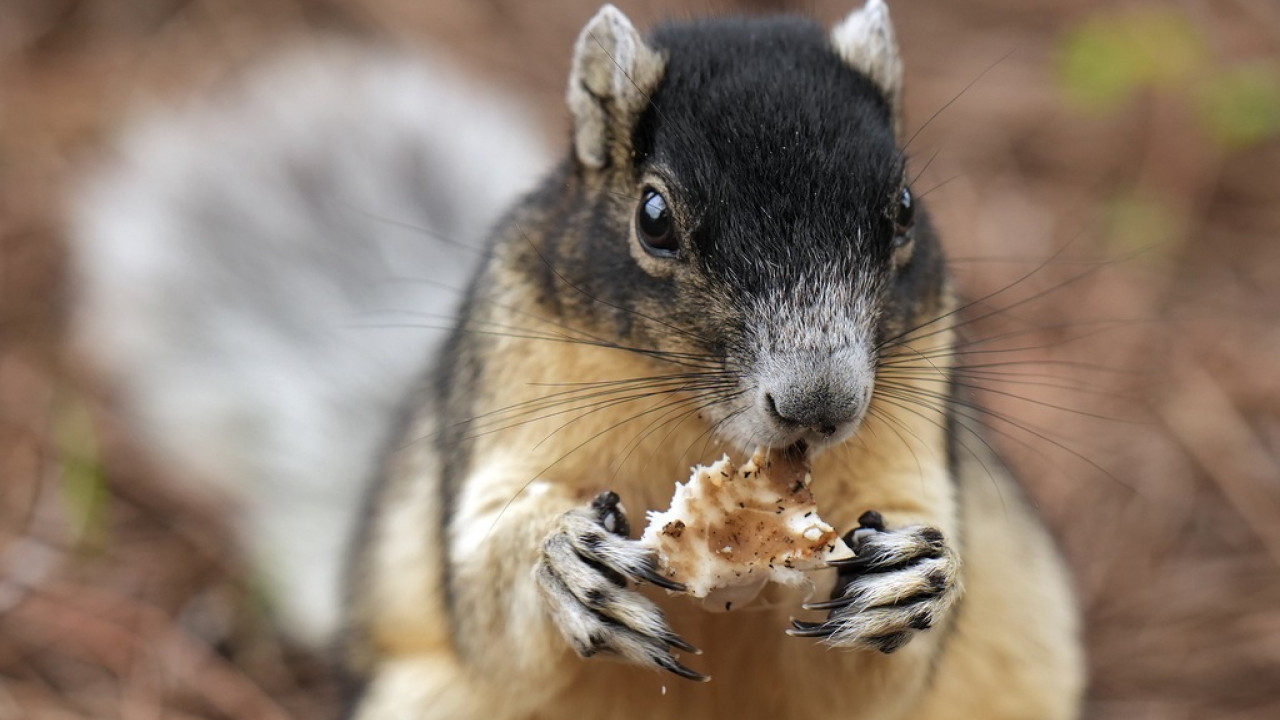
[(729, 255)]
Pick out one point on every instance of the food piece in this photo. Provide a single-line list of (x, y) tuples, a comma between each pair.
[(732, 530)]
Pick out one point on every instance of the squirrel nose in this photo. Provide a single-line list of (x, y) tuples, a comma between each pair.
[(816, 404), (814, 390)]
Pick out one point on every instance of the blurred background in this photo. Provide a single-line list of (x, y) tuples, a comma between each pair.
[(1107, 180)]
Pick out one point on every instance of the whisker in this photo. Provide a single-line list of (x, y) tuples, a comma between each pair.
[(967, 410), (1022, 398), (897, 427), (954, 98), (413, 227), (539, 404), (926, 193), (570, 452), (999, 379), (920, 174), (699, 403), (909, 335), (905, 406), (612, 404), (588, 408), (710, 432), (683, 359)]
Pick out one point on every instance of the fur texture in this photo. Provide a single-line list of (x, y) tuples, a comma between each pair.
[(790, 294), (259, 275)]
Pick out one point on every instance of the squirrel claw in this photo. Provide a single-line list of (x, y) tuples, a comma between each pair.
[(832, 604), (649, 575), (800, 628), (853, 562), (674, 666), (679, 643)]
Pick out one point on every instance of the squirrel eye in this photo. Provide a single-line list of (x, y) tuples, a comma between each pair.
[(655, 226), (905, 219)]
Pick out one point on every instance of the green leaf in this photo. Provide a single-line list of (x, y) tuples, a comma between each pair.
[(83, 483), (1138, 222), (1241, 106), (1110, 57)]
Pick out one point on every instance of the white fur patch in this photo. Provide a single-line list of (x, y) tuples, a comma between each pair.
[(482, 500), (866, 41), (612, 68)]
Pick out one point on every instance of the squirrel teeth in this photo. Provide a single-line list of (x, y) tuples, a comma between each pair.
[(731, 530)]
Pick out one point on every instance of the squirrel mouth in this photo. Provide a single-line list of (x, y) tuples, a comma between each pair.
[(797, 450), (807, 448)]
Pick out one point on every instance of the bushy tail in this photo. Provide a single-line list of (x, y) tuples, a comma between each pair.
[(262, 275)]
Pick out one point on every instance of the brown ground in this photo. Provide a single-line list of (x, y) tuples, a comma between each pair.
[(1155, 318)]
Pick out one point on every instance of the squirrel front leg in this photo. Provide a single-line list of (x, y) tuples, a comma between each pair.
[(587, 561), (905, 576), (898, 583), (542, 568)]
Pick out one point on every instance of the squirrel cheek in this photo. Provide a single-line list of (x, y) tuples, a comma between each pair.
[(903, 250)]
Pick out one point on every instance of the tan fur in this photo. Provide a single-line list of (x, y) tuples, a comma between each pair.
[(510, 659), (1005, 647), (398, 572)]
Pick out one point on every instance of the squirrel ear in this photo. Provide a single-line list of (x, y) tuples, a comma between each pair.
[(614, 73), (865, 40)]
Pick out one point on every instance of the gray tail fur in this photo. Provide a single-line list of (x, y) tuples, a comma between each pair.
[(261, 275)]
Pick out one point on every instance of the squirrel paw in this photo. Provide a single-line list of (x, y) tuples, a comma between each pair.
[(898, 582), (583, 572)]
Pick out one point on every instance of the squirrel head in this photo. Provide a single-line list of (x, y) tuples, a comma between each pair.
[(736, 197)]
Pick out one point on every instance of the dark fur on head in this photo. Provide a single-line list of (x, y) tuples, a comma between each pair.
[(780, 166)]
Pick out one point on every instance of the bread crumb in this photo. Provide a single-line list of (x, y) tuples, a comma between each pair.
[(731, 530)]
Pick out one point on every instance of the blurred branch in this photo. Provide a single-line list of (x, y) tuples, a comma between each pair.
[(1216, 435), (122, 633)]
